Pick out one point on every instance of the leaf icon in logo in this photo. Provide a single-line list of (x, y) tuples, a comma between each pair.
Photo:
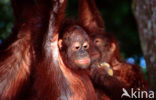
[(125, 93)]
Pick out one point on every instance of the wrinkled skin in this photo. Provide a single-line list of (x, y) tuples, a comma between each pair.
[(75, 48)]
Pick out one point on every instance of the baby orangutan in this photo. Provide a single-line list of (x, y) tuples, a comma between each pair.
[(129, 74), (74, 49)]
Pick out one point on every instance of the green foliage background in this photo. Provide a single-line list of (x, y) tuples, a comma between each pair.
[(6, 18), (118, 18)]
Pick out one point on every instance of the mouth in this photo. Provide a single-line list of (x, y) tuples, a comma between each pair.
[(83, 61)]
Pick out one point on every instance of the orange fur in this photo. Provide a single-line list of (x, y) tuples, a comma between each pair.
[(79, 83), (19, 63)]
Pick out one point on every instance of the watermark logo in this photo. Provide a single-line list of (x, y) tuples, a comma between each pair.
[(137, 93)]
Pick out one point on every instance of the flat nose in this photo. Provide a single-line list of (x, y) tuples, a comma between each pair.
[(83, 53)]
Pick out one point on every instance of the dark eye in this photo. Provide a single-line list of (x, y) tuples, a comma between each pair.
[(76, 46), (86, 45), (98, 41)]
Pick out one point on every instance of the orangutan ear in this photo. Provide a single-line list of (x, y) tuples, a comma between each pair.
[(60, 43), (113, 47)]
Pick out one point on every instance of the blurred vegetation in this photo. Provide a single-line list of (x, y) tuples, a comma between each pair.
[(118, 18), (6, 18)]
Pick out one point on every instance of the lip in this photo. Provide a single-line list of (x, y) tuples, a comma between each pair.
[(83, 61)]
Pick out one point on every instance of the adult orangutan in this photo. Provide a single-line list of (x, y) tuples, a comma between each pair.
[(129, 75), (18, 53)]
